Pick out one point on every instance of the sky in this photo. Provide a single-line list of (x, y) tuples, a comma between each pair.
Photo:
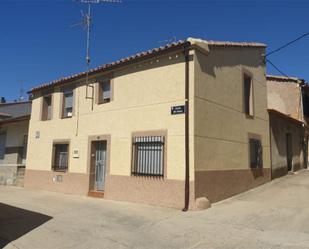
[(38, 43)]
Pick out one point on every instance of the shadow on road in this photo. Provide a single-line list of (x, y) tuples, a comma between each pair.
[(15, 222)]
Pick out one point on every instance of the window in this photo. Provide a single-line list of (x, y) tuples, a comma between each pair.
[(256, 153), (148, 155), (47, 107), (25, 146), (2, 145), (248, 96), (67, 104), (104, 92), (60, 157)]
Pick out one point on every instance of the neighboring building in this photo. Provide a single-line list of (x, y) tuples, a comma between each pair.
[(127, 135), (14, 125), (289, 140)]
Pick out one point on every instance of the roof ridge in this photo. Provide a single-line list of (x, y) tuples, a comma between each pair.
[(143, 54)]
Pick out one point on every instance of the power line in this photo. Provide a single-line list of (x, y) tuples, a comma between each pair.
[(279, 70), (287, 44)]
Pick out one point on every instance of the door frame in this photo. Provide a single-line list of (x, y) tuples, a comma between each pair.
[(92, 139), (289, 141)]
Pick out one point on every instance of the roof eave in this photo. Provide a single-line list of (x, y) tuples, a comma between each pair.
[(109, 67), (15, 120)]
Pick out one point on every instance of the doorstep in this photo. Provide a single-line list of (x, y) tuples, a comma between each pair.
[(96, 194)]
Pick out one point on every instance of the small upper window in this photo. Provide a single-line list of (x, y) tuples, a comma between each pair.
[(67, 103), (60, 157), (248, 96), (256, 153), (105, 92), (47, 108)]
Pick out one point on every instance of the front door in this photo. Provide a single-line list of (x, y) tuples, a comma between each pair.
[(289, 151), (100, 164)]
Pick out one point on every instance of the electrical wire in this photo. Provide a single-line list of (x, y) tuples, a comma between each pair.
[(278, 69), (287, 44)]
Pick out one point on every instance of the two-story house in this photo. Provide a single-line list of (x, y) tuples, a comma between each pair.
[(176, 126), (288, 130), (14, 125)]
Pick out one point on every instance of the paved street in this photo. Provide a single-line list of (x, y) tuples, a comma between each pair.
[(275, 215)]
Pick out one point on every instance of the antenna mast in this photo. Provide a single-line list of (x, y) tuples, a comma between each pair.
[(21, 91), (87, 22)]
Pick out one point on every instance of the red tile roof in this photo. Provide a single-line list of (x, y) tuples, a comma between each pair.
[(284, 79), (144, 55)]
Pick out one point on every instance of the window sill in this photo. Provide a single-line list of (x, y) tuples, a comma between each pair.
[(104, 102), (60, 170), (66, 117), (148, 177), (249, 116)]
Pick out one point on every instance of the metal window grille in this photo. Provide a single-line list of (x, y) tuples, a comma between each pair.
[(61, 157), (148, 156), (256, 153)]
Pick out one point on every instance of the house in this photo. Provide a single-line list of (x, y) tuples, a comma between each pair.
[(288, 131), (14, 125), (175, 126)]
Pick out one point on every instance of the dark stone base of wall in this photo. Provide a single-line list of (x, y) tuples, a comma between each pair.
[(12, 175), (148, 190), (217, 185), (154, 191), (282, 171), (68, 183)]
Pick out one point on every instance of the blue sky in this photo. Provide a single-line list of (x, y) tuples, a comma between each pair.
[(39, 45)]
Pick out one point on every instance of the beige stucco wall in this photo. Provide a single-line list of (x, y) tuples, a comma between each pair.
[(221, 126), (143, 96), (15, 133), (285, 97), (279, 127)]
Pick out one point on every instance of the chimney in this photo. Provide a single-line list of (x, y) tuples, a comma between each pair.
[(2, 100)]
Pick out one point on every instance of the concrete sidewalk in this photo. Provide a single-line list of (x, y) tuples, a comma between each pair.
[(275, 215)]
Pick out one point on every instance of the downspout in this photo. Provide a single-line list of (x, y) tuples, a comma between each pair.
[(187, 165)]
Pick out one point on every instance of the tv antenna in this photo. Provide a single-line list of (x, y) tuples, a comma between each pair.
[(21, 91), (87, 23)]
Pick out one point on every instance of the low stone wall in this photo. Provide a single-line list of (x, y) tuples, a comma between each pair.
[(12, 175)]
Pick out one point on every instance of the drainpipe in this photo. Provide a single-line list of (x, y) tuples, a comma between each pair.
[(187, 166)]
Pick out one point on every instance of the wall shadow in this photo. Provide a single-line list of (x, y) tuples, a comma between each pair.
[(16, 222)]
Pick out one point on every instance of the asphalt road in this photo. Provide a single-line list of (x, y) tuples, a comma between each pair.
[(275, 215)]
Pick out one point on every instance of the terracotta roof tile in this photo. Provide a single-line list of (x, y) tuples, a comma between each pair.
[(140, 55), (284, 79)]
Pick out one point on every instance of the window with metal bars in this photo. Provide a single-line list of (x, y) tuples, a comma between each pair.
[(148, 156), (60, 158), (256, 153)]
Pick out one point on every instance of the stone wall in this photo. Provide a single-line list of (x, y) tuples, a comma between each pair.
[(12, 175)]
